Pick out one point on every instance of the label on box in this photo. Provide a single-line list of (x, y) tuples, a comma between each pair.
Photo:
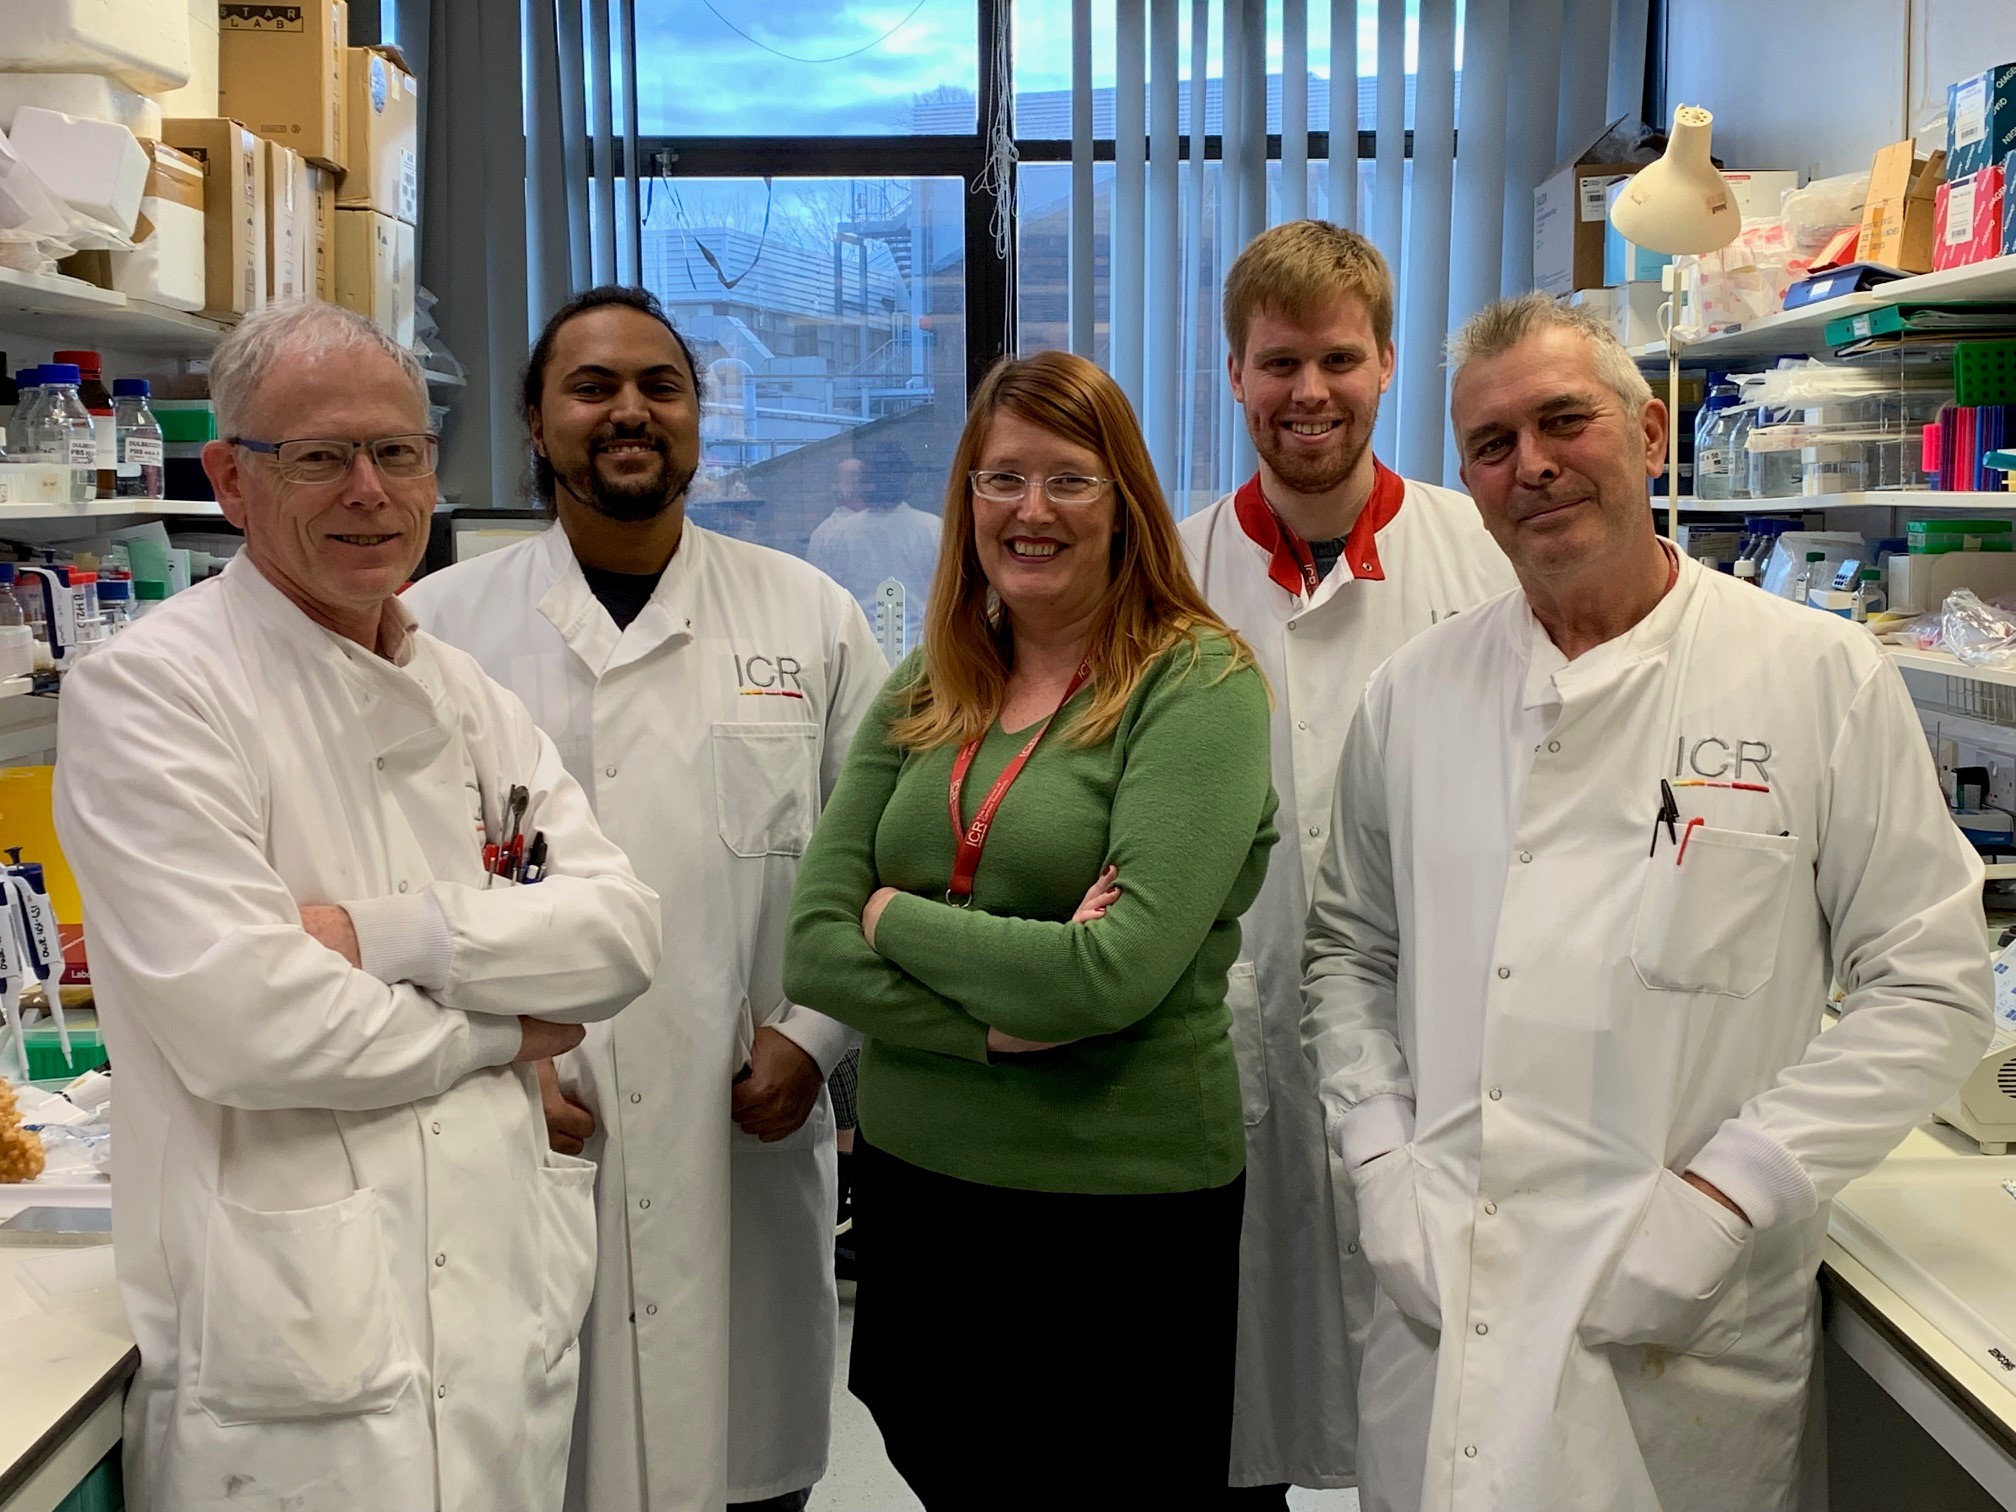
[(1595, 193), (1960, 214), (266, 18), (1970, 112), (409, 186), (379, 85)]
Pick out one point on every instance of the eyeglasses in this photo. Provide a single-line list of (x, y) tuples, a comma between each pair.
[(320, 460), (1059, 488)]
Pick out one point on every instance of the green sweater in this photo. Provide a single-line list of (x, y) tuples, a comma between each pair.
[(1145, 1097)]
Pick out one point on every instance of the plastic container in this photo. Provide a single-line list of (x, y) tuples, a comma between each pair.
[(1934, 537), (141, 468), (148, 595), (1802, 580)]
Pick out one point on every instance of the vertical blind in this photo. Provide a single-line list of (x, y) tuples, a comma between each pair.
[(1467, 103)]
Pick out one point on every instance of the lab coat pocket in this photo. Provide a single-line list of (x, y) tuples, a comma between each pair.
[(566, 1250), (1683, 1280), (1710, 916), (765, 786), (298, 1318), (1390, 1234), (1249, 1041)]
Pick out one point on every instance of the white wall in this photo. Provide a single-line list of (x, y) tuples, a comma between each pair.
[(1819, 85)]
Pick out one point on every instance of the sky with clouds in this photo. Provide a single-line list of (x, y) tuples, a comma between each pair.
[(852, 67)]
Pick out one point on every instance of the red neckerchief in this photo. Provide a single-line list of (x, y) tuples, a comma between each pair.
[(1290, 564)]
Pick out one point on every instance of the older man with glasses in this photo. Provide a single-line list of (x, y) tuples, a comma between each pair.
[(355, 1271)]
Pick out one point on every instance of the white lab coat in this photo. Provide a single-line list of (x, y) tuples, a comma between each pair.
[(1305, 1294), (860, 549), (1545, 1026), (353, 1268), (710, 1342)]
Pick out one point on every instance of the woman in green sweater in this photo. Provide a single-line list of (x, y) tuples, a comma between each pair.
[(1049, 1173)]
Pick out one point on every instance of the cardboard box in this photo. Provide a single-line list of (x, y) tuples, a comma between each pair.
[(1570, 211), (234, 211), (1967, 225), (322, 241), (384, 126), (168, 263), (374, 270), (1980, 121), (280, 71), (290, 224), (1898, 216)]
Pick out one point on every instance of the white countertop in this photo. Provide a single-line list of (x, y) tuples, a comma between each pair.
[(65, 1377)]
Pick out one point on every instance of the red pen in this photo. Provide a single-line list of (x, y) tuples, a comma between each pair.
[(514, 862)]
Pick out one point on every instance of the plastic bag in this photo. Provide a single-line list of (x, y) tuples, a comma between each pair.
[(1815, 215), (1789, 555), (1978, 634)]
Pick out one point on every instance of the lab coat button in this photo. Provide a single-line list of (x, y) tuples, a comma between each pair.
[(1497, 1093), (381, 763), (402, 887), (441, 1390), (1301, 724), (1351, 1248), (437, 1126), (650, 1309), (609, 771), (1469, 1451), (1490, 1209), (1315, 832), (440, 1259), (643, 1202), (636, 1097), (1553, 745), (1504, 972), (1291, 624), (1482, 1329), (1526, 858)]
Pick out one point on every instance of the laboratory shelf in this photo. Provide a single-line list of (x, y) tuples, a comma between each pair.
[(1948, 665), (111, 508), (1999, 871), (1806, 329), (90, 316), (1894, 498)]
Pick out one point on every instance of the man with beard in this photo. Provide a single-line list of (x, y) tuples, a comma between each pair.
[(704, 691), (1326, 562)]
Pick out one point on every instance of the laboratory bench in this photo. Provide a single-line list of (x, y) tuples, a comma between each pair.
[(1918, 1293)]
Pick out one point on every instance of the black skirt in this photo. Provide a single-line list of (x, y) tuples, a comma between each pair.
[(1029, 1349)]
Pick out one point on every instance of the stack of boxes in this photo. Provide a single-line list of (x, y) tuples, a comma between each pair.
[(250, 153), (1971, 223)]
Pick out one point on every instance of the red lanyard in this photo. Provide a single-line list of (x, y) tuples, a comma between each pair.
[(1305, 560), (971, 838)]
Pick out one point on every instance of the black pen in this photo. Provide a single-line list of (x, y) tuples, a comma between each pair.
[(1669, 812), (535, 859)]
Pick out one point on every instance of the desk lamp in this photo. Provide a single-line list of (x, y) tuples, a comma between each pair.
[(1678, 206)]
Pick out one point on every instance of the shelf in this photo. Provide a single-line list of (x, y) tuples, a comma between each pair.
[(1896, 498), (1948, 665), (100, 317), (110, 508), (1804, 330), (1998, 871)]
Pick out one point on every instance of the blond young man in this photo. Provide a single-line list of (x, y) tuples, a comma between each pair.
[(1326, 562)]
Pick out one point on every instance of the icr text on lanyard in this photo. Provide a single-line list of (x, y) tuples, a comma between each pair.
[(971, 839)]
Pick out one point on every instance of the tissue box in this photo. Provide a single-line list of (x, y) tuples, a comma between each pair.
[(280, 71), (384, 125), (91, 96), (144, 44), (97, 167), (1967, 223), (234, 211), (1980, 121), (374, 270), (167, 263)]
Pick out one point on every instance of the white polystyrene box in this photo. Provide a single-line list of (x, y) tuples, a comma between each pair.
[(197, 100), (97, 167), (91, 96), (168, 267), (144, 44)]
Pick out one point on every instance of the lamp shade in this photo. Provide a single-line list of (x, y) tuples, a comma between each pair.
[(1679, 204)]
